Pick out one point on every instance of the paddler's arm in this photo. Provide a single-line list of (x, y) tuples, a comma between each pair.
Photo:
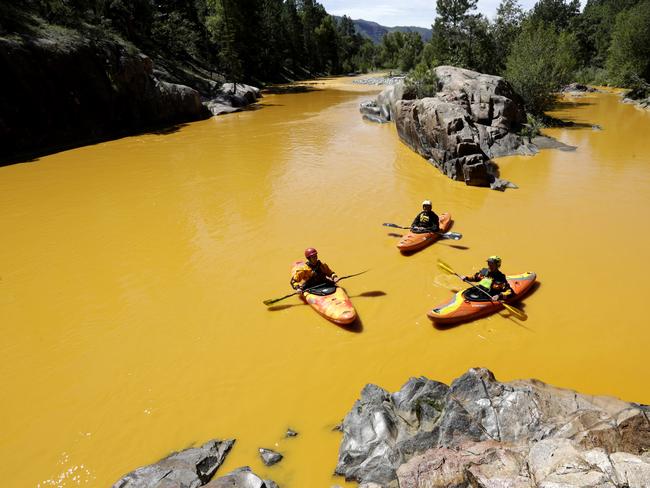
[(416, 222), (329, 273), (504, 289), (475, 277), (298, 280)]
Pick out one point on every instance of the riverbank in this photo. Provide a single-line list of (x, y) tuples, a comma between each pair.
[(66, 87)]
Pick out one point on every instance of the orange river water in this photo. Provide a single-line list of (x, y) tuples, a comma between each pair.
[(132, 275)]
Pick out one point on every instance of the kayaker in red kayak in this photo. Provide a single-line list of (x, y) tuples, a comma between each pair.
[(491, 280), (425, 221), (312, 273)]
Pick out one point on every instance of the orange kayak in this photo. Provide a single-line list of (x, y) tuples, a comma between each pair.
[(412, 241), (331, 302), (466, 306)]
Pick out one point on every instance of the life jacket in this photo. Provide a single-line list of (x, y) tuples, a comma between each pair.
[(486, 281), (424, 219)]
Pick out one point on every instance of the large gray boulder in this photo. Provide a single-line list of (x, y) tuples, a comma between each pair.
[(232, 97), (430, 434), (241, 478), (472, 118), (190, 468)]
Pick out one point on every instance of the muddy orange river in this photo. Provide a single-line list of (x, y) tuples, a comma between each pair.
[(132, 275)]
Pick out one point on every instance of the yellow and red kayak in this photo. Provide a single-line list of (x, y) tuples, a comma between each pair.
[(465, 305), (331, 302), (413, 241)]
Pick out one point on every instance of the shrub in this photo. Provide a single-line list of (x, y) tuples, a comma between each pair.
[(421, 82), (541, 61)]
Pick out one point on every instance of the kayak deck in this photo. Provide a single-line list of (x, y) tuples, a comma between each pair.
[(336, 306), (460, 309), (413, 241)]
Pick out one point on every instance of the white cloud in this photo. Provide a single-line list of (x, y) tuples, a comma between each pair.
[(404, 12)]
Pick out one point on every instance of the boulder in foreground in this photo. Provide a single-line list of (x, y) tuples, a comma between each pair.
[(482, 433)]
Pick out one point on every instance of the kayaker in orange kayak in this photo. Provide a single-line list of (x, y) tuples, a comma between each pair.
[(312, 273), (425, 221), (491, 280)]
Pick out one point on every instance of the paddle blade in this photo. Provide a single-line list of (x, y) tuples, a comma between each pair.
[(452, 235), (388, 224), (445, 267), (271, 301), (520, 314)]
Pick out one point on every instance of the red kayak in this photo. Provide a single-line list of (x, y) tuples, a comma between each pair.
[(413, 241), (470, 304)]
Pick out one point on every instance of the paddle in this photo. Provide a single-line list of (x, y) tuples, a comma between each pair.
[(276, 300), (515, 311), (445, 235)]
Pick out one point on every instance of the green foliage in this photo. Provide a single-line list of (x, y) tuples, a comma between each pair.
[(410, 51), (541, 61), (505, 29), (556, 13), (421, 82), (533, 127), (591, 75), (461, 37), (271, 40), (629, 53)]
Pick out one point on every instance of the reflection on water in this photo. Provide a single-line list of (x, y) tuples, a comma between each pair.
[(133, 274)]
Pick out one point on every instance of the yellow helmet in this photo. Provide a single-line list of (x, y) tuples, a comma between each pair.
[(494, 259)]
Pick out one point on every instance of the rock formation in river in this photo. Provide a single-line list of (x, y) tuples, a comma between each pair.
[(194, 468), (472, 118), (58, 92), (481, 433)]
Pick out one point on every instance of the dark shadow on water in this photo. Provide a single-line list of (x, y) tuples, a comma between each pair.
[(555, 123), (355, 327), (393, 234), (288, 89), (33, 156), (276, 308), (167, 130), (456, 246), (447, 326), (370, 294), (569, 104)]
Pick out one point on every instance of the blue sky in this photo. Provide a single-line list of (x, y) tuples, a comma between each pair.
[(403, 12)]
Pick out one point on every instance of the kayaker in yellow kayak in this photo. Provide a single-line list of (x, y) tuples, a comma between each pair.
[(425, 221), (491, 280), (312, 273)]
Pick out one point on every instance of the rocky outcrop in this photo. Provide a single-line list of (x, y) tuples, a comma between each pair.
[(194, 468), (73, 90), (241, 478), (481, 433), (472, 118), (232, 97), (269, 456), (190, 468), (639, 96), (578, 88), (61, 88)]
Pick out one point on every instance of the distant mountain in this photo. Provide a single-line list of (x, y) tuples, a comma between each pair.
[(376, 31)]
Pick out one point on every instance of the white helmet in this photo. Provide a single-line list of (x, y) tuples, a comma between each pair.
[(426, 202)]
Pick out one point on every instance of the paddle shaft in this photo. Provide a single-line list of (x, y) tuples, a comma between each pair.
[(276, 300), (447, 235)]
